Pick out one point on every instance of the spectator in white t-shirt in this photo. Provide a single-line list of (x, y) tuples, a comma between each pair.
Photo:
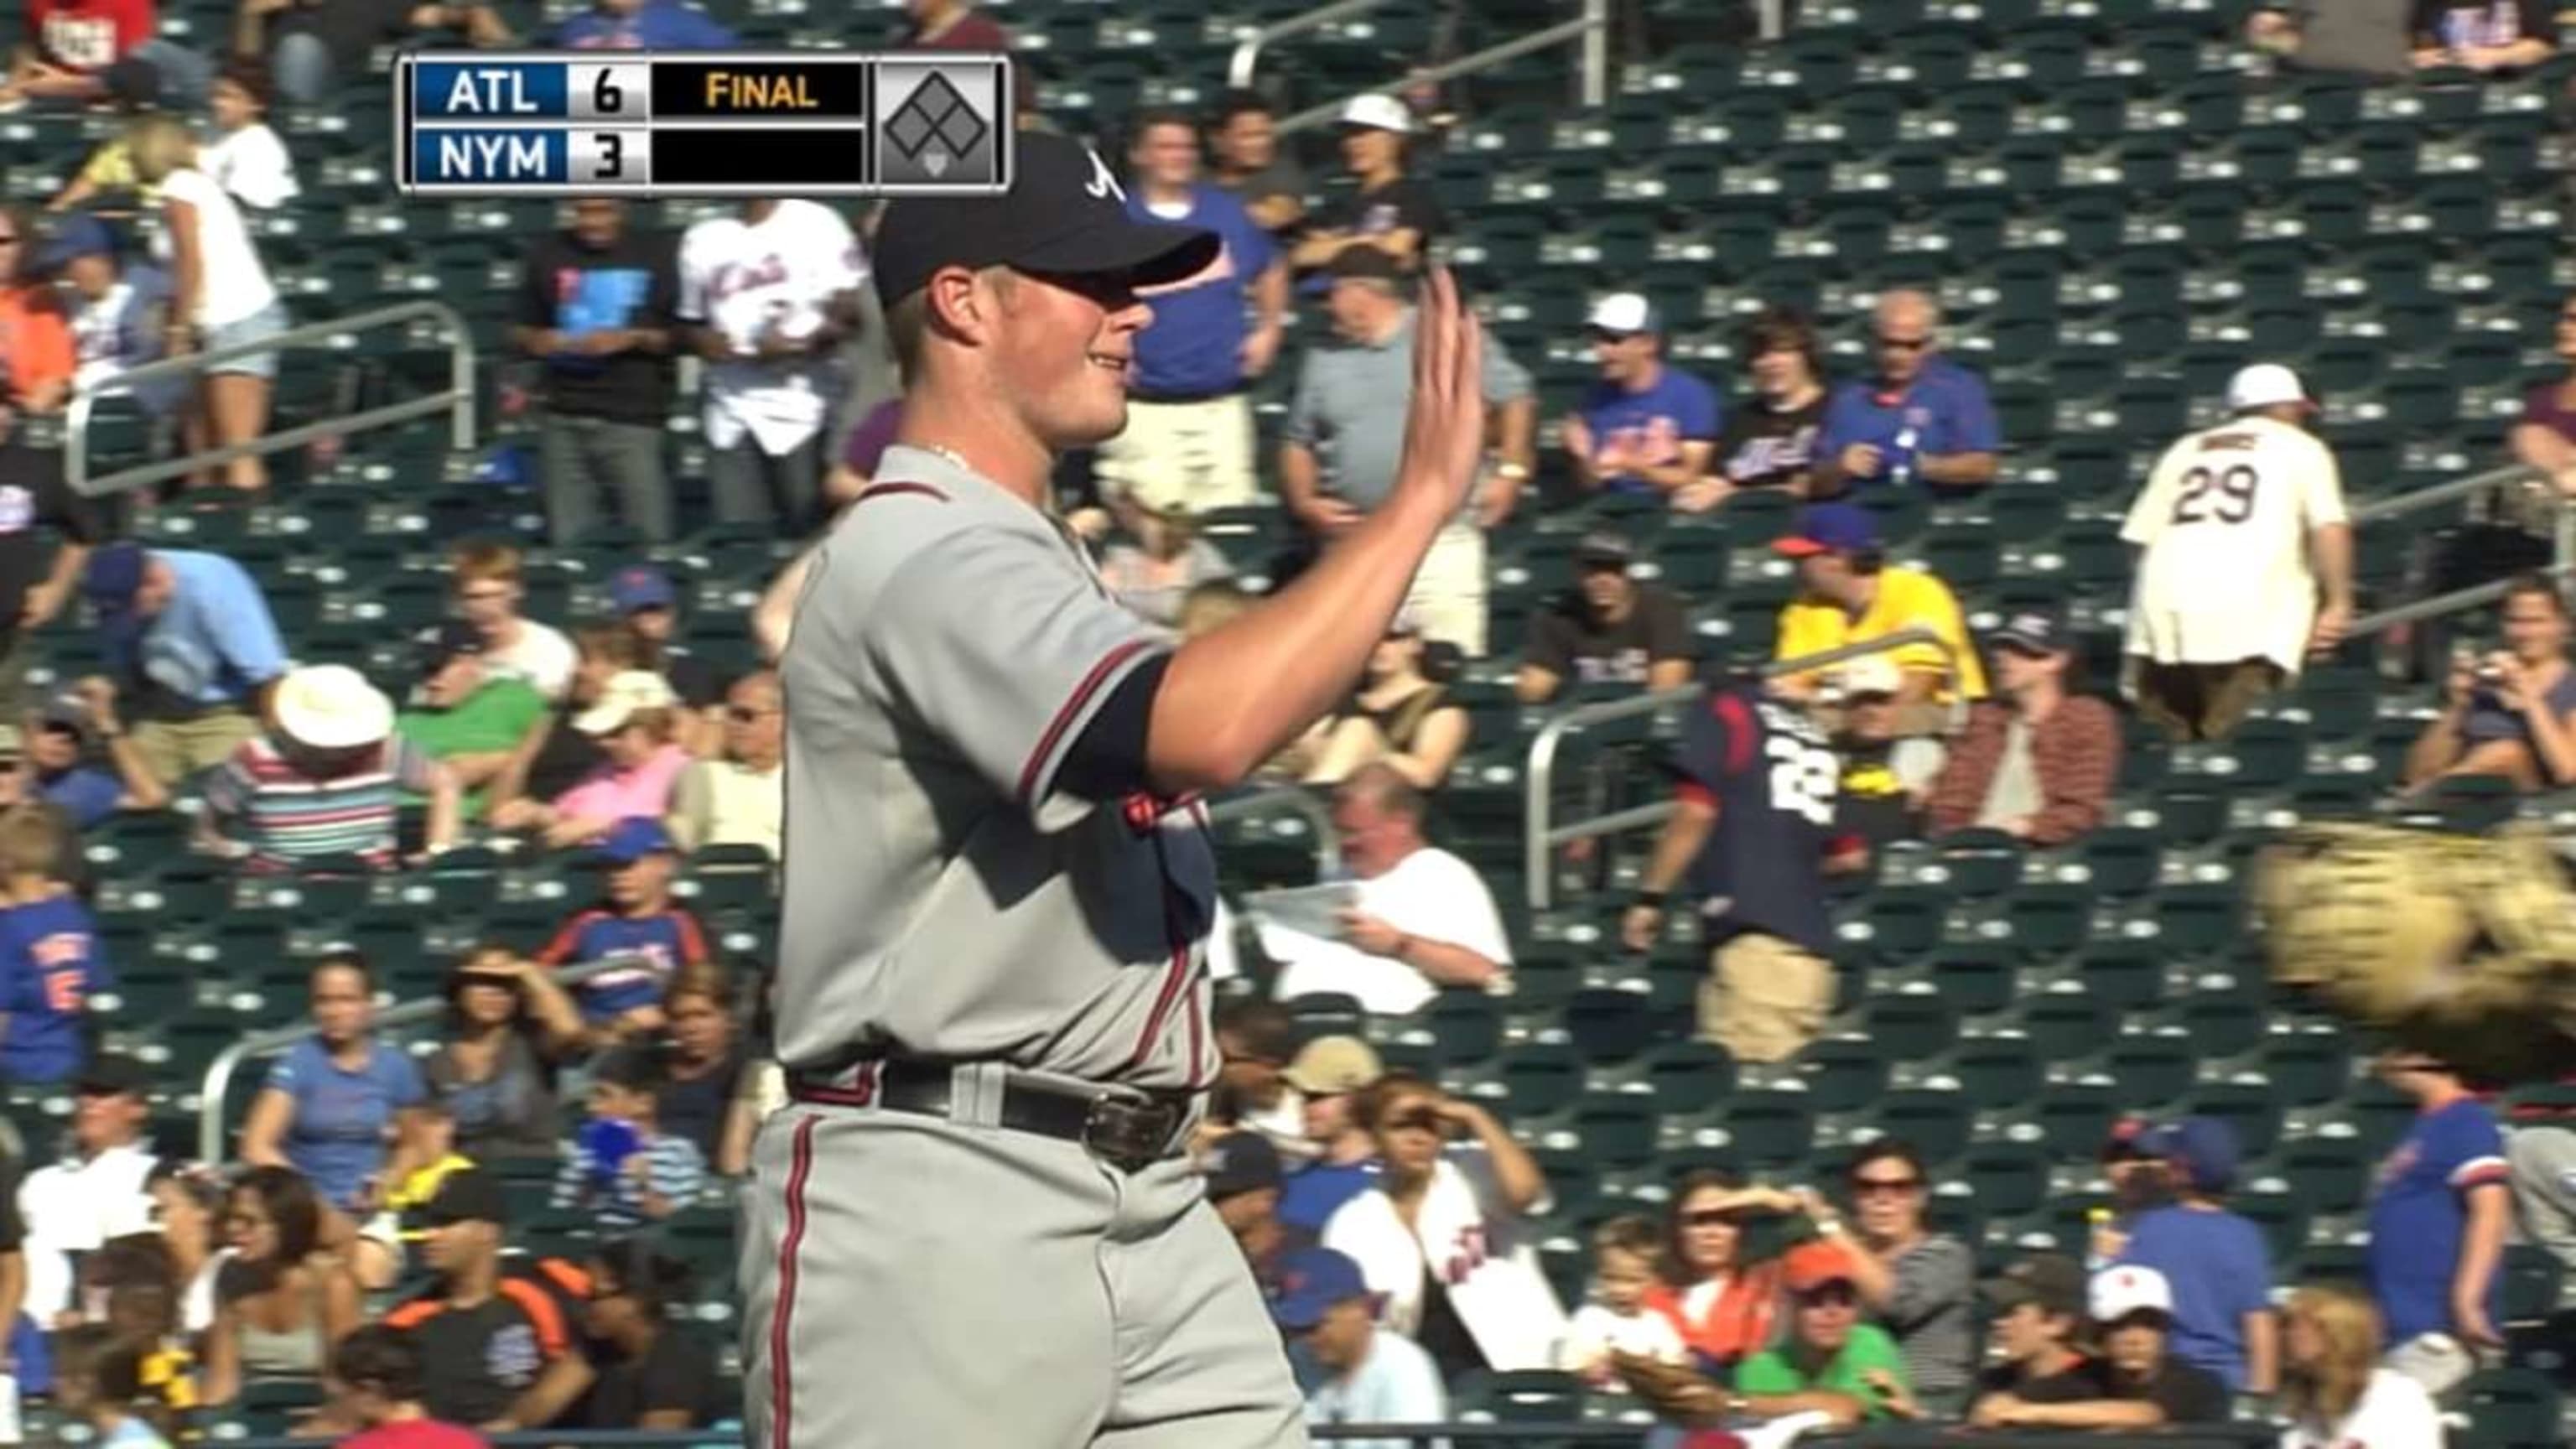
[(1352, 1369), (1627, 1262), (1443, 1233), (221, 296), (246, 158), (490, 589), (96, 1192), (771, 294), (2332, 1386), (2245, 563), (1423, 918)]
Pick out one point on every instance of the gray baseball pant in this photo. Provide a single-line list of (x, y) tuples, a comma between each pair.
[(916, 1281)]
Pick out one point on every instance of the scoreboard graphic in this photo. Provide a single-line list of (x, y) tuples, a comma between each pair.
[(702, 123)]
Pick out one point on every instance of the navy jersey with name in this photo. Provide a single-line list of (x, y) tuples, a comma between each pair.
[(1773, 779)]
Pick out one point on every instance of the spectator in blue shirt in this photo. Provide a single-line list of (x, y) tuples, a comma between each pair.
[(1923, 419), (1351, 1370), (1646, 427), (70, 729), (643, 25), (1189, 435), (2214, 1260), (49, 956), (2440, 1206), (190, 641), (341, 1107)]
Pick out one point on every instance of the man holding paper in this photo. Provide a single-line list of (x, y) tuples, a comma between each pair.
[(1418, 917)]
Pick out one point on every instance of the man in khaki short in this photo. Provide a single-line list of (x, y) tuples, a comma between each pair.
[(1752, 825)]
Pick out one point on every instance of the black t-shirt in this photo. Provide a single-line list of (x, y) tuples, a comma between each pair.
[(1873, 804), (475, 1362), (1394, 206), (33, 495), (677, 1372), (695, 1109), (1570, 643), (1763, 448), (633, 282), (2186, 1394), (2482, 22), (565, 757)]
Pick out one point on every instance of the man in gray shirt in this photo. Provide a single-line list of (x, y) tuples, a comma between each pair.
[(1346, 434)]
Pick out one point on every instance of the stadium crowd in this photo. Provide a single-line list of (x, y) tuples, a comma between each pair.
[(367, 1259)]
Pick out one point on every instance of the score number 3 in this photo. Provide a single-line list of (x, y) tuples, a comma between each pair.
[(2235, 487)]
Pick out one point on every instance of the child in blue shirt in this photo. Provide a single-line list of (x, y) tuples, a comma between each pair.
[(49, 956), (639, 922)]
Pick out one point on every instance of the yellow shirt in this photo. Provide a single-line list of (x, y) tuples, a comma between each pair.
[(111, 168), (1905, 598), (170, 1372)]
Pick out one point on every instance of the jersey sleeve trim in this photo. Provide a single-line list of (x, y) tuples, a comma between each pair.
[(897, 489), (1068, 714), (2478, 1171), (1732, 714)]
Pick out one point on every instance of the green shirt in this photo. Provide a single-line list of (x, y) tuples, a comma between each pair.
[(492, 720), (1869, 1349)]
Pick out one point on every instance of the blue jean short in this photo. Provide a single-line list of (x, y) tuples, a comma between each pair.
[(267, 322)]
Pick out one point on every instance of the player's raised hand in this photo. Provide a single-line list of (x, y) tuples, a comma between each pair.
[(1444, 428)]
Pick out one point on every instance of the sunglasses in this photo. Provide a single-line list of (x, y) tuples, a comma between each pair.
[(1713, 1218), (1422, 1121), (1884, 1186), (1903, 344), (745, 714)]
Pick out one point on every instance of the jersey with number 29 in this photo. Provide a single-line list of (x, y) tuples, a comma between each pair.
[(1773, 779), (2225, 520)]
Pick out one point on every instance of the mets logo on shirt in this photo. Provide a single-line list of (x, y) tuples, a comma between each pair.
[(511, 1357), (2398, 1164), (17, 509)]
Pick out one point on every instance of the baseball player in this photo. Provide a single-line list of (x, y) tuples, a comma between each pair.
[(2246, 563), (974, 1223)]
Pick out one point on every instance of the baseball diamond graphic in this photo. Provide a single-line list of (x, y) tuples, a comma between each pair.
[(935, 125)]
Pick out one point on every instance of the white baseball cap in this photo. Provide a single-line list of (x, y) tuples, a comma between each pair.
[(2119, 1292), (1378, 113), (626, 692), (1872, 674), (1625, 312), (2265, 385)]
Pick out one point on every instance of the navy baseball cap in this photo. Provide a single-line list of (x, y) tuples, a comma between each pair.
[(1065, 213), (1311, 1282), (74, 237), (439, 644), (642, 586), (2205, 1148), (1240, 1162), (1829, 528), (111, 576), (2032, 631), (634, 838)]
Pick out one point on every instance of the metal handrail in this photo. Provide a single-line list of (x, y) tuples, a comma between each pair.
[(1538, 777), (2420, 498), (219, 1072), (2563, 561), (1247, 52), (1592, 27), (1319, 820), (457, 400)]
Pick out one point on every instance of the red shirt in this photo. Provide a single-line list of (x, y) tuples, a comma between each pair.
[(417, 1434), (89, 35)]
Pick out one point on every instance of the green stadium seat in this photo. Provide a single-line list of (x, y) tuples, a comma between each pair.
[(1843, 1073)]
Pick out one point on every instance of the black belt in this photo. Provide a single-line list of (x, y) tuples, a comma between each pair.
[(1127, 1128)]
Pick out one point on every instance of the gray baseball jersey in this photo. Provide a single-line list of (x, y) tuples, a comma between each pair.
[(944, 898)]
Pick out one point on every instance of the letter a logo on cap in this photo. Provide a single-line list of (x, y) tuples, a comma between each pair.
[(1102, 184)]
